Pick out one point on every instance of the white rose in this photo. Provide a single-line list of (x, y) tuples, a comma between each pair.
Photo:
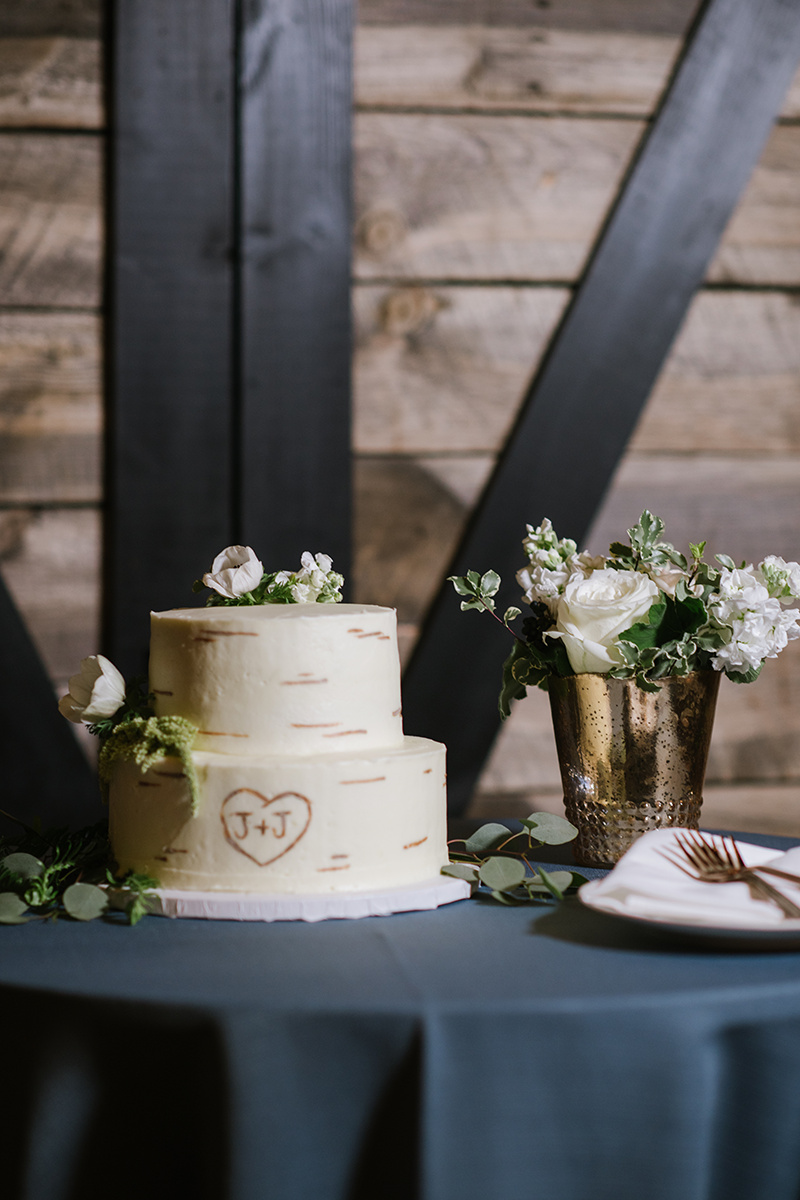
[(595, 610), (98, 691), (233, 572)]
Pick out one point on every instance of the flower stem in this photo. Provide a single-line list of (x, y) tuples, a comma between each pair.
[(500, 621)]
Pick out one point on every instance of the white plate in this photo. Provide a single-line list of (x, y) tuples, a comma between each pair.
[(253, 906), (785, 936)]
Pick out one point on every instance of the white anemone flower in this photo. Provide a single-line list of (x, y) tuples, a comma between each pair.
[(235, 571), (97, 691)]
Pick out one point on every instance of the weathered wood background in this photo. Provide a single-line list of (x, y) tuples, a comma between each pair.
[(490, 141)]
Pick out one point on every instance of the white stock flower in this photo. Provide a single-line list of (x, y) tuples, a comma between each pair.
[(546, 586), (301, 594), (760, 626), (543, 547), (780, 578), (234, 571), (593, 612), (315, 581), (97, 691), (542, 585), (585, 563)]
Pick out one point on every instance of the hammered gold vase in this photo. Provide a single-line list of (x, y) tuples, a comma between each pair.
[(631, 760)]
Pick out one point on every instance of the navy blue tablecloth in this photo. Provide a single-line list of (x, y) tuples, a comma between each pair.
[(471, 1052)]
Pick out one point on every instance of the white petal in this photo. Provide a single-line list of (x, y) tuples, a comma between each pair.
[(588, 657)]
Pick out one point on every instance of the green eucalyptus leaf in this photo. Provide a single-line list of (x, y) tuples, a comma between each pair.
[(487, 838), (85, 901), (550, 829), (504, 898), (560, 880), (23, 865), (502, 874), (460, 870), (554, 879), (12, 908)]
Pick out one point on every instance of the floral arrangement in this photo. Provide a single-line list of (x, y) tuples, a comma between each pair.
[(238, 577), (643, 612)]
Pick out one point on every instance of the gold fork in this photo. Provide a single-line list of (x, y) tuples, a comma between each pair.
[(715, 862)]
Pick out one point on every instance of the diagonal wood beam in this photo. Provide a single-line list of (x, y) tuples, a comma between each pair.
[(584, 402), (45, 774)]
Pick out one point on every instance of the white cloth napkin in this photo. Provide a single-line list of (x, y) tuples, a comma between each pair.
[(646, 884)]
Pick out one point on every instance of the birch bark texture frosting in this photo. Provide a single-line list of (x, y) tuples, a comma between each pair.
[(307, 784), (280, 679)]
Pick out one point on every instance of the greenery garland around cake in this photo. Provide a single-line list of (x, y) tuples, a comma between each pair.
[(47, 873)]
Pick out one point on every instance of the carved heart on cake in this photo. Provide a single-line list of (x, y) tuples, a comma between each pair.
[(264, 828)]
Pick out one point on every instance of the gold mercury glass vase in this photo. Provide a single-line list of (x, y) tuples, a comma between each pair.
[(631, 760)]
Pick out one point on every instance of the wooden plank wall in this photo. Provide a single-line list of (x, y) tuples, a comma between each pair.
[(490, 139), (51, 146), (488, 152)]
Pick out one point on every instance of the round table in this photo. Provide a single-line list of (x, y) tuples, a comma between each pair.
[(475, 1051)]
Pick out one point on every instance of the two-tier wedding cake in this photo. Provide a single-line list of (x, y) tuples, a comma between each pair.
[(305, 781), (267, 754)]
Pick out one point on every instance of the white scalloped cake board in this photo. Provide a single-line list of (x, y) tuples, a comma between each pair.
[(251, 906)]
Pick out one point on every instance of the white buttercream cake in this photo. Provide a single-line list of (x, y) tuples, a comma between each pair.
[(306, 782)]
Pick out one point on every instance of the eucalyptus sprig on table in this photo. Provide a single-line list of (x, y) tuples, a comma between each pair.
[(49, 873), (498, 861)]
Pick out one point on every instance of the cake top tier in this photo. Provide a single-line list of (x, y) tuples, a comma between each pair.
[(271, 612), (280, 678)]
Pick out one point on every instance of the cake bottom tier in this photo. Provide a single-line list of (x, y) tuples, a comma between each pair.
[(330, 823)]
